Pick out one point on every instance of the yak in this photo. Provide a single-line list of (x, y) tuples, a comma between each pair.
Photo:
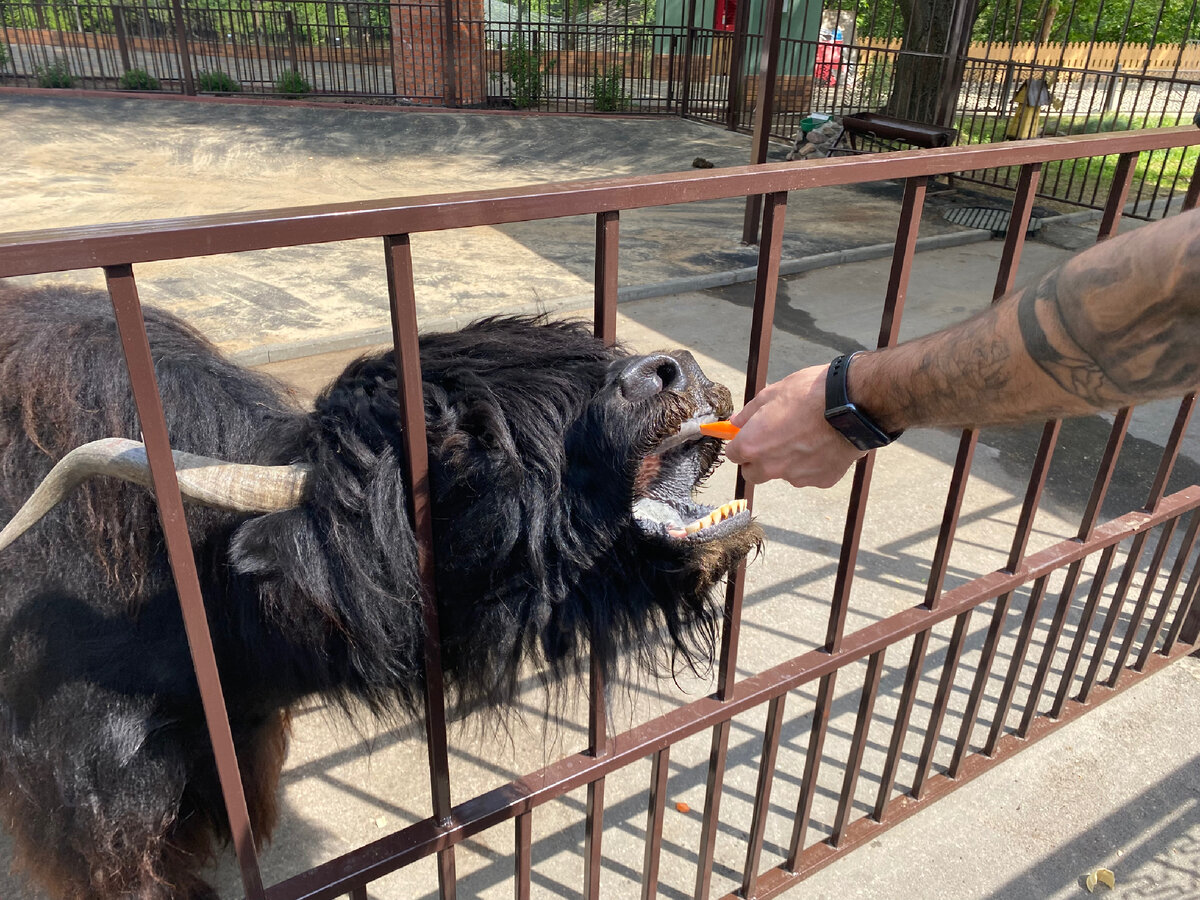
[(562, 478)]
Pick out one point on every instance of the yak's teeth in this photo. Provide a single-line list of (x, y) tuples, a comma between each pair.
[(720, 514)]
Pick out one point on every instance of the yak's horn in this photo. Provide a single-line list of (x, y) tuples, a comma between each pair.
[(208, 482)]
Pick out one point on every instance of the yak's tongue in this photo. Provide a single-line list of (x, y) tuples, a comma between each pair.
[(688, 431), (720, 514)]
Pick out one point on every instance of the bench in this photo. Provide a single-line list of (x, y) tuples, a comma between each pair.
[(890, 129)]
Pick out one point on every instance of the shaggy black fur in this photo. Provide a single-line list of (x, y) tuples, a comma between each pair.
[(537, 434)]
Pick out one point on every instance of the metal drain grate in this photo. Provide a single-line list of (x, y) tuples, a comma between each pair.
[(986, 218)]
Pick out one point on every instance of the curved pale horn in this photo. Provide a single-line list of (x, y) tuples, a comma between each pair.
[(206, 481)]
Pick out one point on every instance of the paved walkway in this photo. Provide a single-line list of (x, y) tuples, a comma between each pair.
[(85, 161), (1120, 788)]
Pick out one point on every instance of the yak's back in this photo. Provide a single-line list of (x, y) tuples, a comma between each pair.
[(63, 383)]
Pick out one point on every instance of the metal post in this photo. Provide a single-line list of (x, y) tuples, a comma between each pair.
[(181, 47), (733, 95), (449, 53), (764, 110), (122, 37), (689, 48)]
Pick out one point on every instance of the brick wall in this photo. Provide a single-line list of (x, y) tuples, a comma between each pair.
[(420, 56)]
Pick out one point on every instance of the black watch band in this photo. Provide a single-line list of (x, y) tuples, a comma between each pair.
[(850, 421)]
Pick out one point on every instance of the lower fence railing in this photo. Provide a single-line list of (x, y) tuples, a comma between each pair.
[(1066, 626)]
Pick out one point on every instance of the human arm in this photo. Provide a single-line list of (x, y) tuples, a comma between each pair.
[(1117, 324)]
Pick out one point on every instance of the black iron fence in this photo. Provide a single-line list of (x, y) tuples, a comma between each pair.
[(622, 59)]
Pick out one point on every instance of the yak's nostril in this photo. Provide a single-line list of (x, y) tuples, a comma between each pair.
[(647, 376)]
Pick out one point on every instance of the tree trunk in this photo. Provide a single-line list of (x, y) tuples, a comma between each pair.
[(924, 60), (1047, 14)]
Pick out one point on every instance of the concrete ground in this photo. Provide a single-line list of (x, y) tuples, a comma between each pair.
[(1121, 788)]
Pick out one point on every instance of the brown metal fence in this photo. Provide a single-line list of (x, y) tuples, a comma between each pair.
[(1053, 672)]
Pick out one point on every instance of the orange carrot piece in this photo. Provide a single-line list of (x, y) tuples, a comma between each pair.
[(724, 430)]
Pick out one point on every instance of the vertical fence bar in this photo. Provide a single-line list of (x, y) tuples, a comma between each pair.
[(607, 237), (1122, 179), (1143, 600), (607, 248), (1016, 664), (655, 816), (598, 745), (1033, 493), (1081, 634), (523, 840), (983, 674), (1192, 198), (862, 728), (1157, 489), (714, 784), (136, 347), (1171, 451), (764, 108), (737, 51), (1184, 613), (1168, 594), (403, 303), (766, 287), (182, 48), (941, 701), (1114, 614), (762, 795), (911, 207), (808, 782)]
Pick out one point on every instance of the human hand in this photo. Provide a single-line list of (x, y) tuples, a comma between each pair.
[(784, 435)]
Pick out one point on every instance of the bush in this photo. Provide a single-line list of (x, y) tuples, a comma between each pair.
[(292, 84), (55, 75), (139, 80), (608, 91), (526, 68), (3, 57), (216, 82)]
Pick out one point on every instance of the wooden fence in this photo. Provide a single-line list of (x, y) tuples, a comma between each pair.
[(1163, 59)]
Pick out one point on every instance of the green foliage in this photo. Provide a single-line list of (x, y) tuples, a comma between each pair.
[(1001, 21), (216, 82), (608, 91), (875, 82), (3, 57), (55, 75), (1072, 179), (292, 84), (527, 67), (139, 80), (1134, 21)]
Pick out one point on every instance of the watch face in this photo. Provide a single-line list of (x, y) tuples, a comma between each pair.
[(849, 422)]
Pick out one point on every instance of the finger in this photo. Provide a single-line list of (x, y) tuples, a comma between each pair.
[(743, 415)]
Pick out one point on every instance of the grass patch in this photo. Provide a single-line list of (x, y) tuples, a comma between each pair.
[(1087, 181)]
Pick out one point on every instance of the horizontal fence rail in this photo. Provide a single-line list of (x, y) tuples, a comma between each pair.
[(1067, 626)]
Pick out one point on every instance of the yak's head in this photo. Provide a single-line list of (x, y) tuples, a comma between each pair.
[(563, 476)]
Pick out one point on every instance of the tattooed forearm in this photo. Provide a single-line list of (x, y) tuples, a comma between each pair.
[(1050, 345), (1118, 324), (1121, 330)]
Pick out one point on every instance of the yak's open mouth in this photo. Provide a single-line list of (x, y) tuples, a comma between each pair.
[(665, 481)]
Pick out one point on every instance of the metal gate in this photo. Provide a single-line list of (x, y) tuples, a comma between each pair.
[(1060, 671)]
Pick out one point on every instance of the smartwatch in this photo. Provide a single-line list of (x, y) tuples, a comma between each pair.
[(850, 421)]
